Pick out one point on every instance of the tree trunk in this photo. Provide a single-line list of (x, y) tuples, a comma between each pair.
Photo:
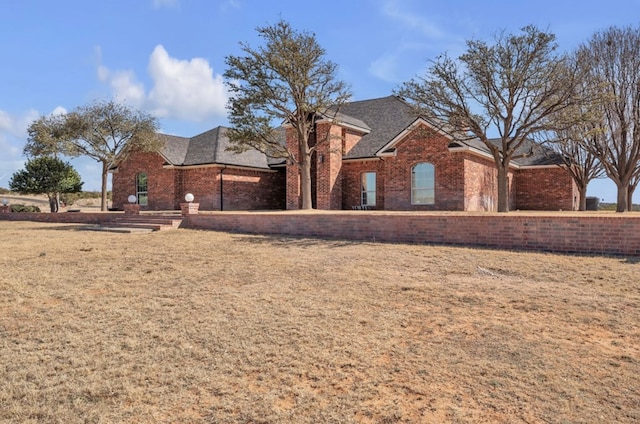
[(53, 203), (630, 191), (503, 188), (582, 192), (305, 181), (105, 174), (623, 194)]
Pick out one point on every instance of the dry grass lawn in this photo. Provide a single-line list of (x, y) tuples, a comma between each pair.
[(203, 327)]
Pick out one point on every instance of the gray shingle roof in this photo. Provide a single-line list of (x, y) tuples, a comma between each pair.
[(529, 153), (174, 148), (386, 117), (208, 148)]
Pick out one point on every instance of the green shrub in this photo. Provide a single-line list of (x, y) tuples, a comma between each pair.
[(24, 208)]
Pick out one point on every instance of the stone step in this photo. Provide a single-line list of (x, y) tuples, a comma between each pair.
[(142, 222), (111, 229)]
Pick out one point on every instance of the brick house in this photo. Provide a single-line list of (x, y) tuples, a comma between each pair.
[(378, 156), (218, 179)]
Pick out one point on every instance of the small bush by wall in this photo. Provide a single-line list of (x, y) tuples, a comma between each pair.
[(18, 208)]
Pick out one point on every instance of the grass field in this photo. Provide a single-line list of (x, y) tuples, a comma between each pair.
[(203, 327)]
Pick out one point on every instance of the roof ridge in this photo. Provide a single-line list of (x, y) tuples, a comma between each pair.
[(370, 100)]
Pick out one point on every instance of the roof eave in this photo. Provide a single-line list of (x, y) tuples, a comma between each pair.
[(547, 166), (345, 125), (369, 159), (218, 165)]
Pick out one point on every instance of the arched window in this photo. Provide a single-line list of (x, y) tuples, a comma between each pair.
[(423, 184), (141, 189)]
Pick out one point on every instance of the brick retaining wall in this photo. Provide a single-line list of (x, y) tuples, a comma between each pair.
[(595, 234), (609, 235), (63, 217)]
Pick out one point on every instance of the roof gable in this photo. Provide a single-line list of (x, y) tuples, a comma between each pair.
[(414, 125), (385, 117)]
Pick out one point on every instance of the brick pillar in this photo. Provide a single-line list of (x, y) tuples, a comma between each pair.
[(329, 167), (131, 209), (189, 208), (294, 195)]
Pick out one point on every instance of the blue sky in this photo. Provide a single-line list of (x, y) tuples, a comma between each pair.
[(167, 56)]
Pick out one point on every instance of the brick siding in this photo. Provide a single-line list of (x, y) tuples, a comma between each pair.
[(161, 183), (243, 189), (352, 182), (549, 188)]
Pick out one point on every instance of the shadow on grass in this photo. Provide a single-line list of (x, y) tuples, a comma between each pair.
[(303, 242), (69, 227), (633, 260)]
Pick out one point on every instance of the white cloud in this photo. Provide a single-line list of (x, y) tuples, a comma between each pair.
[(411, 20), (58, 111), (13, 134), (123, 84), (16, 126), (127, 89), (181, 89), (417, 37), (385, 68), (5, 121), (185, 89)]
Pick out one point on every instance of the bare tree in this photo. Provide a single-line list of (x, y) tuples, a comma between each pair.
[(104, 131), (45, 136), (288, 81), (612, 58), (582, 164), (575, 128), (508, 88)]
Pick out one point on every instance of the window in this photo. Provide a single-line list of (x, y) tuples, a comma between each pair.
[(141, 189), (422, 184), (368, 189)]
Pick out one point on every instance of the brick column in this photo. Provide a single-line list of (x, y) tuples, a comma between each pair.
[(131, 209), (189, 208), (329, 167), (294, 195)]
